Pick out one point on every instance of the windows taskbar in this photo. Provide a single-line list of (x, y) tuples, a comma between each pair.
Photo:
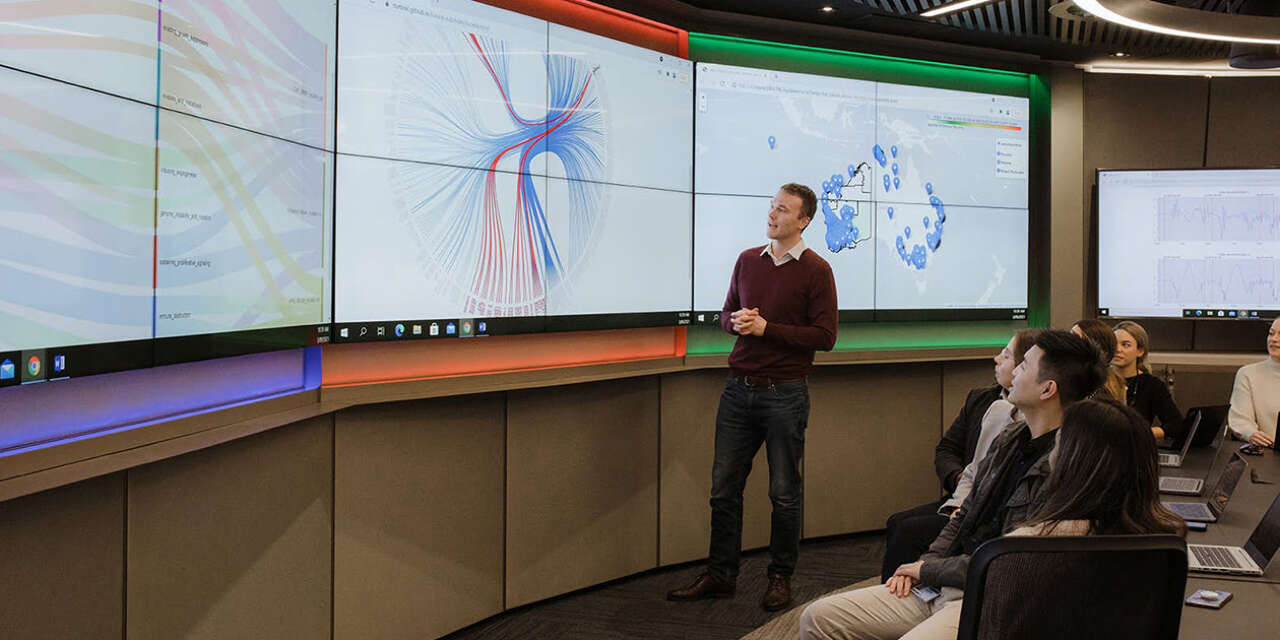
[(472, 327), (712, 318), (29, 366)]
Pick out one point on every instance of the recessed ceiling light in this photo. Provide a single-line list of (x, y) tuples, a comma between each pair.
[(1215, 69), (954, 6), (828, 9), (1119, 54)]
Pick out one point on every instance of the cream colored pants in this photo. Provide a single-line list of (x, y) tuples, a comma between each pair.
[(875, 614)]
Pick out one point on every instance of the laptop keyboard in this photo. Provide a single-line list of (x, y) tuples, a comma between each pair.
[(1187, 510), (1215, 557), (1179, 484)]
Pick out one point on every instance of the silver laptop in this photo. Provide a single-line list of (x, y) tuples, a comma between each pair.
[(1175, 459), (1202, 512), (1251, 559), (1184, 486)]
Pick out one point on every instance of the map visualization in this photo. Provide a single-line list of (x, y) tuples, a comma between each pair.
[(897, 169)]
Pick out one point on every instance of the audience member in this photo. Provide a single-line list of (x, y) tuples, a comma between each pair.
[(1058, 370), (908, 533), (1147, 394), (1104, 479), (1255, 398), (1102, 336)]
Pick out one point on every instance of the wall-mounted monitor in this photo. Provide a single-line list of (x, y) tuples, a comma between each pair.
[(77, 171), (167, 178), (499, 174), (1189, 243), (923, 192)]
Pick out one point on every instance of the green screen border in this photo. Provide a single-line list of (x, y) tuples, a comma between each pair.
[(717, 49)]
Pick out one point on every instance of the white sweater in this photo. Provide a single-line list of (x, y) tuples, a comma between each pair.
[(1255, 399)]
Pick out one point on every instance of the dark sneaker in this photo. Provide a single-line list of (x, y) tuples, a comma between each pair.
[(705, 586), (778, 595)]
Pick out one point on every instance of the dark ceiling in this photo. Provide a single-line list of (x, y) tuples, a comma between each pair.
[(1035, 27)]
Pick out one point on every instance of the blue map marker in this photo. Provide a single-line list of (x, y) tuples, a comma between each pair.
[(772, 141)]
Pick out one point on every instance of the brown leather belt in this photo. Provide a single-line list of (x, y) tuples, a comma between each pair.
[(762, 381)]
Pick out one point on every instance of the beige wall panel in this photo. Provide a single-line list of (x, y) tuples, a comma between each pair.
[(869, 448), (234, 541), (1143, 122), (1244, 122), (1199, 388), (689, 404), (1068, 197), (582, 494), (958, 379), (63, 557), (418, 516)]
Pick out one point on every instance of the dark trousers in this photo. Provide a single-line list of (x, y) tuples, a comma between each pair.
[(908, 534), (748, 416)]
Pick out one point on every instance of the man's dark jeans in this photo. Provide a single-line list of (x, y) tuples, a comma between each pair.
[(775, 415)]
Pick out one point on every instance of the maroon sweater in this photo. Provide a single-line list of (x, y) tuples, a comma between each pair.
[(797, 301)]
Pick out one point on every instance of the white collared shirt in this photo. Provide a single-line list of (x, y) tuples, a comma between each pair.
[(791, 254)]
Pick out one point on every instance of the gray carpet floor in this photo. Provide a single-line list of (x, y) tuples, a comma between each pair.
[(636, 608)]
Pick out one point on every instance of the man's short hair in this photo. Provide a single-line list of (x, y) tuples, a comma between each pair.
[(1074, 363), (808, 201)]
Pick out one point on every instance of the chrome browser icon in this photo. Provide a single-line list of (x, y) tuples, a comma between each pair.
[(33, 366)]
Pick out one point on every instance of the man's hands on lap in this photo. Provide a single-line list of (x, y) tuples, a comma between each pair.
[(904, 579)]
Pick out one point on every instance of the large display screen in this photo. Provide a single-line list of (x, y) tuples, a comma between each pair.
[(506, 174), (240, 227), (108, 45), (922, 192), (167, 180), (263, 65), (77, 172), (1194, 243)]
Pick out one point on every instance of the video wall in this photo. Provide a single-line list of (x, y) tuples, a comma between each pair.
[(1194, 243), (187, 179), (499, 173), (922, 192), (166, 170)]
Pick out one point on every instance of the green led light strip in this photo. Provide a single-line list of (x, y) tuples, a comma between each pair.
[(880, 336), (706, 47)]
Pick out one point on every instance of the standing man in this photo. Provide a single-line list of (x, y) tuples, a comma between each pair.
[(782, 307)]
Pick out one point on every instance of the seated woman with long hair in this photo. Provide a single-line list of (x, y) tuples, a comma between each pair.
[(1104, 478), (1100, 334), (1147, 394)]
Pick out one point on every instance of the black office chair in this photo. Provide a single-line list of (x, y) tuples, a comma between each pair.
[(1075, 587)]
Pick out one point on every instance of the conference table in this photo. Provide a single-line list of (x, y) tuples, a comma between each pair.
[(1254, 609)]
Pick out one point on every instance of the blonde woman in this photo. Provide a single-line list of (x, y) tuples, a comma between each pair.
[(1147, 394)]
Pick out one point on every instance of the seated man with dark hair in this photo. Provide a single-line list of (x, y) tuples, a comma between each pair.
[(1058, 370)]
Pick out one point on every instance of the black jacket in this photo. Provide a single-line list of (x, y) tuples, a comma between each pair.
[(945, 563), (955, 451)]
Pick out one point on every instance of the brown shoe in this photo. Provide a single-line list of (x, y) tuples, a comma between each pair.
[(778, 595), (705, 586)]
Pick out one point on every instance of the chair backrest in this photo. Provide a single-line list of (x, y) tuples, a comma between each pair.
[(1212, 417), (1075, 587)]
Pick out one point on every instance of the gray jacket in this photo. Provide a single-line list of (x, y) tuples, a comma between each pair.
[(946, 563)]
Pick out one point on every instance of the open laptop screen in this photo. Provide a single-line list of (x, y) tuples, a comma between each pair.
[(1265, 540), (1226, 484)]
